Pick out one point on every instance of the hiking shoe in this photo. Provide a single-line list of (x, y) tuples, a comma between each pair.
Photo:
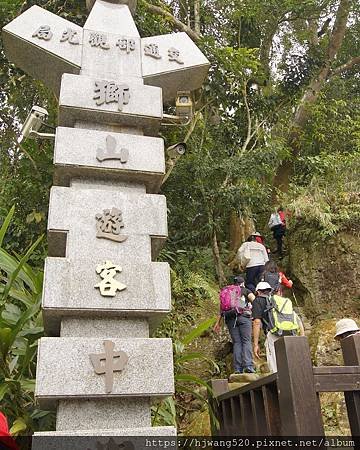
[(249, 370)]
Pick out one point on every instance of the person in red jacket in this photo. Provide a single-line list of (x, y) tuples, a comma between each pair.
[(273, 275), (6, 441)]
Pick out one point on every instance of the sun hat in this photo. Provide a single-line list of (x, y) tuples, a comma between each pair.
[(256, 233), (263, 286), (345, 326)]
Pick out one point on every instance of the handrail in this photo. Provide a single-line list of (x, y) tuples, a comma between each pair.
[(257, 384)]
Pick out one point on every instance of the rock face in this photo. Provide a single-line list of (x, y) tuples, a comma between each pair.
[(326, 273)]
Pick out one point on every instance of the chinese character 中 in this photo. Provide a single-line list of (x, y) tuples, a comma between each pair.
[(174, 55), (109, 225), (152, 50), (108, 286), (71, 36), (113, 362), (126, 44), (110, 152), (44, 32), (99, 40), (110, 92)]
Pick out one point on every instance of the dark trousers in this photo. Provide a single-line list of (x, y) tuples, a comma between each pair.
[(253, 275), (240, 328), (279, 233)]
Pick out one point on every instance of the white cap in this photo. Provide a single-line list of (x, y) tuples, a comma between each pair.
[(345, 326), (263, 286)]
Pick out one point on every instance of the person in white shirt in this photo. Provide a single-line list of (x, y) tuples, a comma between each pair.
[(252, 256)]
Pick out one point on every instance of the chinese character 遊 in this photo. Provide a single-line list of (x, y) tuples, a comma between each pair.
[(71, 36), (108, 286), (113, 362), (152, 50), (110, 92), (43, 32), (99, 40), (110, 152), (109, 225), (174, 55), (126, 44)]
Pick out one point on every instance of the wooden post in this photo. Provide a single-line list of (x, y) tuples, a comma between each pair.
[(300, 410), (350, 347), (218, 387)]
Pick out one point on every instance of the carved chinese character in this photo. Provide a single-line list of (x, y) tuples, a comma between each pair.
[(174, 55), (126, 44), (152, 50), (110, 92), (44, 32), (109, 362), (110, 153), (109, 225), (99, 40), (71, 36), (108, 286)]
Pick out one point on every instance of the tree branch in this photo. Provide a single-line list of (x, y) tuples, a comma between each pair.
[(173, 20), (352, 62)]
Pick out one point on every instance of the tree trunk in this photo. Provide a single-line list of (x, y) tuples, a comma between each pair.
[(239, 230), (197, 16), (217, 260)]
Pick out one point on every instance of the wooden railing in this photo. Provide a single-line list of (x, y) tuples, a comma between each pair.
[(287, 403)]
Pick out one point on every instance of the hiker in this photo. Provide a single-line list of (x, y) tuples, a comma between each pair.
[(277, 224), (252, 256), (260, 239), (273, 275), (276, 316), (346, 328), (235, 307)]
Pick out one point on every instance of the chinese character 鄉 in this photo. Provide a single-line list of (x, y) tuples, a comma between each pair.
[(109, 362), (110, 152), (99, 40), (126, 44), (152, 50), (110, 92), (108, 286), (174, 55), (109, 225), (71, 36), (43, 32)]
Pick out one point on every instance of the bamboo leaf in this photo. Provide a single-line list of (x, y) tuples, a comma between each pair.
[(6, 224), (198, 331)]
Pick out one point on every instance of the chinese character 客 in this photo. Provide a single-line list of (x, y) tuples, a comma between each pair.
[(44, 32), (110, 92), (174, 55), (109, 225), (110, 153), (152, 50), (126, 44), (108, 286), (99, 40), (113, 362), (71, 36)]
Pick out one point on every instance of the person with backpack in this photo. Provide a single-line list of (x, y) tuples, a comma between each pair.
[(277, 224), (275, 314), (252, 256), (275, 277), (235, 308)]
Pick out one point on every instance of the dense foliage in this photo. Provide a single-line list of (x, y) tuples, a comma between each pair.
[(277, 120)]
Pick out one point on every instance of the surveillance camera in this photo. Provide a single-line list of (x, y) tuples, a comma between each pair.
[(33, 122), (184, 104), (176, 150)]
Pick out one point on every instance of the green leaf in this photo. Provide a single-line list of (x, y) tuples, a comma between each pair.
[(28, 385), (198, 331), (18, 426), (6, 224), (5, 341), (4, 388), (192, 379)]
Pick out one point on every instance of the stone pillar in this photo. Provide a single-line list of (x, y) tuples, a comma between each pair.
[(103, 290)]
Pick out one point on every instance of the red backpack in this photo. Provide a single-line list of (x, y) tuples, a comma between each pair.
[(231, 297)]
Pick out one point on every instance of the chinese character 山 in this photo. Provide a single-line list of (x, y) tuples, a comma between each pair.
[(110, 152)]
